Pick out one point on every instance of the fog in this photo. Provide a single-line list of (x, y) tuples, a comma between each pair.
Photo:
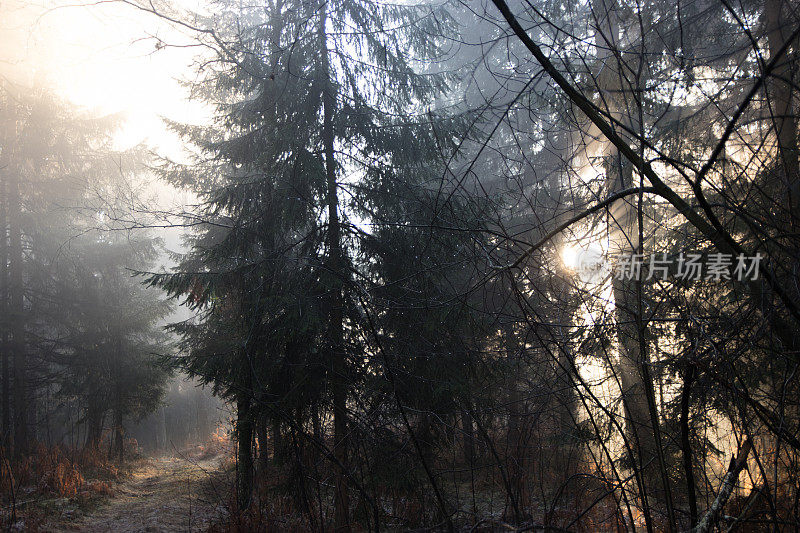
[(428, 265)]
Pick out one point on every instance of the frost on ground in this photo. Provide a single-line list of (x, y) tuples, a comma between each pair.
[(166, 494)]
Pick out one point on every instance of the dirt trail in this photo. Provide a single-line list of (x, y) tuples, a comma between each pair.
[(166, 494)]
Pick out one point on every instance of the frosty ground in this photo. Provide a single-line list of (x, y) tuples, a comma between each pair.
[(163, 494)]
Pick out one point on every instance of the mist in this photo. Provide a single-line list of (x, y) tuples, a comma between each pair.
[(429, 265)]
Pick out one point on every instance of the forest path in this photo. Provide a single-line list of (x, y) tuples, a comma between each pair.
[(165, 494)]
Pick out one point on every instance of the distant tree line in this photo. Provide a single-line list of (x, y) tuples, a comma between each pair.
[(78, 333)]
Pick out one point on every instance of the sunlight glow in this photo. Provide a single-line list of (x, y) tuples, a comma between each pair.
[(569, 255), (108, 59)]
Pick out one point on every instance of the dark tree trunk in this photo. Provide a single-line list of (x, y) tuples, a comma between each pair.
[(4, 348), (244, 440), (164, 443), (337, 376), (94, 426), (118, 444), (262, 434), (469, 437), (779, 26), (425, 436), (686, 446), (515, 456), (279, 446), (16, 316)]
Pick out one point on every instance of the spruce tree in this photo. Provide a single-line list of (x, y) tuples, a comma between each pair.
[(315, 104)]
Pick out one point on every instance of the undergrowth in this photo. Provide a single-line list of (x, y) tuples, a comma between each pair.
[(33, 484)]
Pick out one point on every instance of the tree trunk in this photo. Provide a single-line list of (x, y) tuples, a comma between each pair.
[(203, 418), (515, 456), (279, 451), (469, 437), (425, 435), (638, 396), (634, 394), (4, 348), (244, 440), (262, 433), (118, 444), (164, 443), (778, 21), (686, 445), (94, 426), (16, 316), (337, 376), (633, 364)]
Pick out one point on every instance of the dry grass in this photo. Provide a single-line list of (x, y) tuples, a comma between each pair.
[(219, 444), (31, 485)]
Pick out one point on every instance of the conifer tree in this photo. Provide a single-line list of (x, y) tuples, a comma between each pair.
[(315, 104), (71, 312)]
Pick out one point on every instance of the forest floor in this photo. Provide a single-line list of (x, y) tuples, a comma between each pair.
[(161, 494)]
